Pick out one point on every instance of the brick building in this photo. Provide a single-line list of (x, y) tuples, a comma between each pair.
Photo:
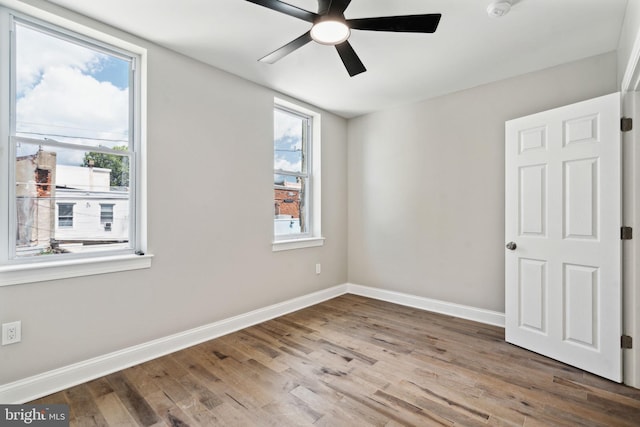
[(287, 199)]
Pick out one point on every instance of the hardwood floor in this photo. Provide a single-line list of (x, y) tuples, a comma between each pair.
[(353, 361)]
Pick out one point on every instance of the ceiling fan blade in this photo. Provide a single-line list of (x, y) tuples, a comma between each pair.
[(406, 24), (287, 9), (332, 7), (285, 50), (338, 7), (323, 6), (350, 59)]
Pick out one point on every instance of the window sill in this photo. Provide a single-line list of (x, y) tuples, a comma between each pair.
[(40, 272), (286, 245)]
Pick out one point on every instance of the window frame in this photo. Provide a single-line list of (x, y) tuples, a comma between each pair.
[(103, 211), (305, 174), (33, 269), (59, 215), (312, 157)]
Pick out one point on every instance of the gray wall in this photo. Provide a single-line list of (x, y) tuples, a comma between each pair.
[(426, 184), (210, 228)]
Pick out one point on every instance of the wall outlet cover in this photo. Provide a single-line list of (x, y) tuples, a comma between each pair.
[(11, 332)]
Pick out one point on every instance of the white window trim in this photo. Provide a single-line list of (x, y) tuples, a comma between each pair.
[(314, 237), (286, 245), (45, 271), (29, 272)]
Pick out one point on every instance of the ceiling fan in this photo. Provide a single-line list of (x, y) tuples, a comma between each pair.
[(331, 28)]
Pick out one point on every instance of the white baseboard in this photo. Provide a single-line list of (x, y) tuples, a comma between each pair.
[(37, 386), (49, 382), (457, 310)]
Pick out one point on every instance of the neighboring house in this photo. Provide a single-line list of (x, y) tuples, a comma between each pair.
[(67, 208), (35, 195), (287, 207), (88, 210)]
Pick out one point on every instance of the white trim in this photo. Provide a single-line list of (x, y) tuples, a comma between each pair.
[(314, 166), (286, 245), (631, 78), (44, 384), (5, 159), (630, 89), (43, 271), (28, 271), (630, 248), (456, 310), (54, 14), (34, 387)]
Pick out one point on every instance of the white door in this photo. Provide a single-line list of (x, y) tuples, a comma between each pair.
[(563, 218)]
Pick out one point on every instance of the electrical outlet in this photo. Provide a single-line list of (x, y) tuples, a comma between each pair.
[(318, 268), (11, 332)]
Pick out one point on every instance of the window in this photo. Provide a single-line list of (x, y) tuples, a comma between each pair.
[(65, 215), (296, 180), (71, 139), (106, 213), (292, 137)]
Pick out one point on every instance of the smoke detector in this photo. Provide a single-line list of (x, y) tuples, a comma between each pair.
[(498, 9)]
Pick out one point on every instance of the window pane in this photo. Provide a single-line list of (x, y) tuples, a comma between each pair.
[(69, 92), (289, 134), (80, 183), (106, 213), (289, 203), (65, 215)]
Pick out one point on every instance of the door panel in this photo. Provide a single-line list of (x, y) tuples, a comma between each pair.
[(581, 130), (581, 199), (533, 198), (581, 301), (533, 139), (563, 185), (533, 290)]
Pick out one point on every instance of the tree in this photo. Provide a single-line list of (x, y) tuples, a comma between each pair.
[(119, 165)]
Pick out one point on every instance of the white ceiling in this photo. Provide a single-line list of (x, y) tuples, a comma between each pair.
[(467, 50)]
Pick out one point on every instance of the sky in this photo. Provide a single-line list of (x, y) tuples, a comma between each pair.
[(69, 92), (288, 141)]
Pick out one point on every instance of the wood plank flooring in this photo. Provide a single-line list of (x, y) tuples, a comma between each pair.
[(353, 361)]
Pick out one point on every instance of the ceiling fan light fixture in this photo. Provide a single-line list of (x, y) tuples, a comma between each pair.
[(330, 32)]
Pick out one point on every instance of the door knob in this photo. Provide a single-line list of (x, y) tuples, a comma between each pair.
[(512, 246)]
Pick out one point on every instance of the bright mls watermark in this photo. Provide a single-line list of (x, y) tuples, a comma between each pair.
[(34, 415)]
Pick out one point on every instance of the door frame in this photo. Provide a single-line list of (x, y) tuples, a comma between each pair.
[(630, 93)]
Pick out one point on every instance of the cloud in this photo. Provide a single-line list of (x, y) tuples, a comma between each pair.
[(286, 165), (288, 129), (37, 52), (68, 102), (59, 95)]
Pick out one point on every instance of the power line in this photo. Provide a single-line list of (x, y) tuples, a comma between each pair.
[(76, 137), (71, 127)]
